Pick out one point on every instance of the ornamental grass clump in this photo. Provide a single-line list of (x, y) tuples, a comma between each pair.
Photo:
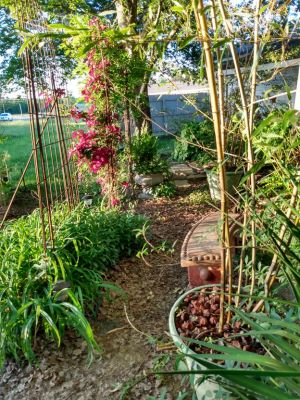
[(46, 294)]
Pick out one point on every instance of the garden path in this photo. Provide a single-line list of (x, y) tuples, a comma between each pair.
[(151, 289)]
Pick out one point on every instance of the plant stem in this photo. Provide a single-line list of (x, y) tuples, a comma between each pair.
[(248, 129), (254, 65), (202, 31), (251, 119), (221, 85)]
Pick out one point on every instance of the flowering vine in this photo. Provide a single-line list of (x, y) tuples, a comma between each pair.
[(97, 146), (50, 97)]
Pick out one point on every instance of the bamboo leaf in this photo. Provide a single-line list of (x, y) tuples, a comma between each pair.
[(263, 9), (253, 170)]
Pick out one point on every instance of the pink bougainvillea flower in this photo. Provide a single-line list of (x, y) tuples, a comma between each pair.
[(96, 22), (100, 181), (91, 122), (91, 134), (48, 101), (77, 133), (115, 202), (76, 114), (95, 147)]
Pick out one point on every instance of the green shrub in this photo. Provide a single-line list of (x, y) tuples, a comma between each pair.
[(47, 294), (199, 197), (145, 155), (167, 189), (191, 134)]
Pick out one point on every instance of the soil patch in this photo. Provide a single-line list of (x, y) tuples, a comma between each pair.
[(25, 202)]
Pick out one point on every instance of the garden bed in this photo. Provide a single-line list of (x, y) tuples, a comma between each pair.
[(151, 290)]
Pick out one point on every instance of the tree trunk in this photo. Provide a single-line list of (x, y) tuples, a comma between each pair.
[(127, 15), (127, 132), (143, 115)]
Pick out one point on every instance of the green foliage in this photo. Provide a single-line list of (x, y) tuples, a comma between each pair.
[(277, 137), (166, 146), (32, 300), (144, 150), (198, 197), (276, 141), (192, 135), (14, 106), (167, 189), (273, 375)]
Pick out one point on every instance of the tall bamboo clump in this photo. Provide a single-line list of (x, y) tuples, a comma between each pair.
[(203, 35), (221, 23)]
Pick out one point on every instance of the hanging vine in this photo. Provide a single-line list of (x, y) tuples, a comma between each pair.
[(97, 146)]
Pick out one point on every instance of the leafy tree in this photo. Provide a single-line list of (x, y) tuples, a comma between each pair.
[(10, 64)]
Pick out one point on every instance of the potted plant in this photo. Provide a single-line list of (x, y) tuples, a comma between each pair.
[(197, 146), (245, 363), (193, 325), (221, 325), (274, 328), (233, 177), (179, 318), (150, 169)]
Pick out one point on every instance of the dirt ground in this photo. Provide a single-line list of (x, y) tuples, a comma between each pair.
[(25, 202), (130, 331)]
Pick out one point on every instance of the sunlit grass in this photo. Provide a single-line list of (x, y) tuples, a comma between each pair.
[(17, 144)]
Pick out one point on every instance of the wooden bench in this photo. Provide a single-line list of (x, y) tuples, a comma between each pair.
[(201, 250)]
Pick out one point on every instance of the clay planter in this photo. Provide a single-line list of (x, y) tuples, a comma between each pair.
[(149, 179), (206, 390), (232, 178)]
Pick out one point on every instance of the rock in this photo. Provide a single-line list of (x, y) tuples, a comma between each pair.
[(178, 176), (149, 180), (181, 170), (196, 176), (145, 196), (182, 183)]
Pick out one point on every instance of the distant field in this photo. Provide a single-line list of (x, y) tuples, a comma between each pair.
[(17, 144)]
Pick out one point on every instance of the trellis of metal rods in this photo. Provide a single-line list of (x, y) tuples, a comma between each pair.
[(45, 87)]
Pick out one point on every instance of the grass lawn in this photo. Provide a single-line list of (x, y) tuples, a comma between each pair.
[(17, 146)]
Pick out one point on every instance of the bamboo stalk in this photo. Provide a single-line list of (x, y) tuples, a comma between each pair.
[(255, 64), (220, 75), (251, 119), (202, 31), (250, 155)]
